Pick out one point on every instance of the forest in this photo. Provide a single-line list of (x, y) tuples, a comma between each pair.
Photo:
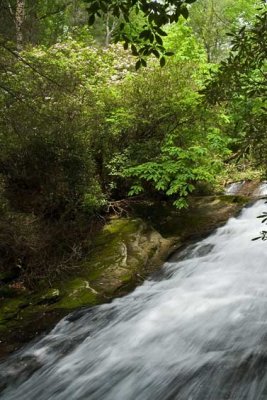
[(107, 103), (133, 191)]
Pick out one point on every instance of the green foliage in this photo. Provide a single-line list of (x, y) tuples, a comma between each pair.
[(213, 20), (95, 199), (166, 141), (240, 83), (82, 130), (176, 171), (156, 16), (44, 22), (47, 125), (90, 130)]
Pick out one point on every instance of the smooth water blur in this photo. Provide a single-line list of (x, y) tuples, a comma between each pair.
[(195, 331)]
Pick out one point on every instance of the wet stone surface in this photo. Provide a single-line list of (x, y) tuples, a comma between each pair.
[(125, 253)]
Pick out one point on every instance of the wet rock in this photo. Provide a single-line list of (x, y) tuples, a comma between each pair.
[(76, 293), (50, 297), (125, 253)]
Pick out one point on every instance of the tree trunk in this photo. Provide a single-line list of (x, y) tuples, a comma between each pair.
[(19, 21), (110, 27)]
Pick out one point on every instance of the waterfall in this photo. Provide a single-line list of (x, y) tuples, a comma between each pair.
[(197, 330), (261, 190), (234, 188)]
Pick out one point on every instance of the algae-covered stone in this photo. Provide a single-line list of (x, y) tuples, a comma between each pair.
[(77, 293), (10, 308), (49, 297), (122, 255), (202, 215)]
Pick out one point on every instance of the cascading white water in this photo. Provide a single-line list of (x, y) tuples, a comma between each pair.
[(234, 187), (196, 331), (261, 190)]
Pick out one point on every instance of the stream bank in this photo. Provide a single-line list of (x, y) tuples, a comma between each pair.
[(124, 253)]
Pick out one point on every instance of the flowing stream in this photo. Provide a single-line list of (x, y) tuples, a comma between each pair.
[(195, 331)]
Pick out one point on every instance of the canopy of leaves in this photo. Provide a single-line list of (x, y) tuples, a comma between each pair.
[(212, 20), (240, 82), (156, 16)]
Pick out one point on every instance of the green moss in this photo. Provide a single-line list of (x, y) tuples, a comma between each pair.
[(109, 246), (10, 308), (49, 296), (103, 266), (126, 277), (77, 293), (202, 214), (118, 261), (122, 226), (241, 200)]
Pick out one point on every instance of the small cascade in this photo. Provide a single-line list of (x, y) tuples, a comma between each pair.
[(261, 190), (247, 188), (199, 332), (234, 188)]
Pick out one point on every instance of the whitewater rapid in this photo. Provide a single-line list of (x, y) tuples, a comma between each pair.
[(195, 331)]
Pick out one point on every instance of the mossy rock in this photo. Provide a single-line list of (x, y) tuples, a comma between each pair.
[(10, 308), (77, 293), (202, 215), (234, 199), (123, 254), (119, 252), (51, 296)]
